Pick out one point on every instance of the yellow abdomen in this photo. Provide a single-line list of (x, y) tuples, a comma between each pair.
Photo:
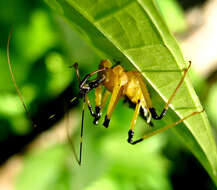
[(131, 84)]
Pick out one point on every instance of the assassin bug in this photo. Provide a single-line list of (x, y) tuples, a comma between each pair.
[(120, 83)]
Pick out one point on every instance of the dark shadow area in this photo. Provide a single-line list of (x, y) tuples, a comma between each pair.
[(58, 107), (186, 4), (188, 173)]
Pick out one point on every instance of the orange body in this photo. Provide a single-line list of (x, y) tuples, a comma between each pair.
[(127, 83)]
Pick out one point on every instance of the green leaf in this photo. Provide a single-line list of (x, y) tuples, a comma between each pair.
[(177, 22), (133, 32)]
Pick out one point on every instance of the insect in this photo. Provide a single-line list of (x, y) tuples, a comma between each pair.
[(122, 83), (119, 83)]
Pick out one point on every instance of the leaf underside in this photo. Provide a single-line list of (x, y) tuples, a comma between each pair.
[(133, 32)]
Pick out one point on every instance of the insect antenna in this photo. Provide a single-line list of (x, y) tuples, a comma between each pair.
[(14, 81)]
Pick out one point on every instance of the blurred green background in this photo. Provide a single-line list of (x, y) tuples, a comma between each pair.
[(42, 48)]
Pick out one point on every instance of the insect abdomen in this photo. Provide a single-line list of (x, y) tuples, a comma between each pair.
[(132, 89)]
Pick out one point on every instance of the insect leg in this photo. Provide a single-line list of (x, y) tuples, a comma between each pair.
[(89, 86), (84, 80), (84, 85), (82, 129), (70, 141), (166, 127), (106, 95), (133, 122), (99, 106), (152, 110), (146, 116), (89, 105), (116, 93), (93, 84), (98, 101)]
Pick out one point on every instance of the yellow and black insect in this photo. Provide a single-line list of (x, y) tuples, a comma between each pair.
[(121, 83)]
